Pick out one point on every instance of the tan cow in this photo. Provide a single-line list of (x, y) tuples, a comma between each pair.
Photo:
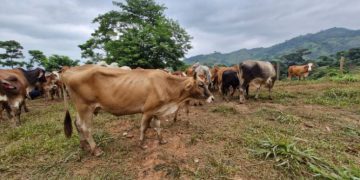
[(153, 93), (301, 71)]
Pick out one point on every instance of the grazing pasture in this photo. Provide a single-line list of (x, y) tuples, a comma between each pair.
[(310, 129)]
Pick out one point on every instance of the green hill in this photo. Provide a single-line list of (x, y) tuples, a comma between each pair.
[(325, 42)]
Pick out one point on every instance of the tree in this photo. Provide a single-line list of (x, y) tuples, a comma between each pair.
[(12, 52), (295, 58), (36, 57), (138, 34), (57, 61)]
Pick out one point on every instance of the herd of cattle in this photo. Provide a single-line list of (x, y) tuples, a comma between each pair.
[(156, 93)]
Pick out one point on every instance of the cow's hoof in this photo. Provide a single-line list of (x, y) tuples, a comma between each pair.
[(84, 145), (161, 142), (97, 152), (144, 147)]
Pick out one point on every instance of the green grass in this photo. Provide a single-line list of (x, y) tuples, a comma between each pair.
[(299, 161), (278, 116), (223, 109), (337, 97)]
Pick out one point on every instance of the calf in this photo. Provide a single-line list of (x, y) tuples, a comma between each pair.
[(229, 79), (153, 93), (301, 71), (15, 85), (52, 86), (258, 73)]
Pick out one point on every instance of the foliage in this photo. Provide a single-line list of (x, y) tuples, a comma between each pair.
[(55, 62), (291, 158), (295, 58), (13, 51), (38, 57), (137, 35)]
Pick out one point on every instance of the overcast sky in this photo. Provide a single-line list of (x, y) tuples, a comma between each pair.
[(58, 26)]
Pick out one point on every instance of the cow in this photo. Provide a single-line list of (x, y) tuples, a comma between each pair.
[(52, 86), (229, 79), (301, 71), (257, 73), (15, 85), (219, 76), (153, 93)]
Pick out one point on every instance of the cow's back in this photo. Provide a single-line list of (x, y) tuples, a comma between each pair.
[(257, 69)]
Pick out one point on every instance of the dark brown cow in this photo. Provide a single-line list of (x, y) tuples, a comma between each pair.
[(301, 71), (15, 86), (153, 93)]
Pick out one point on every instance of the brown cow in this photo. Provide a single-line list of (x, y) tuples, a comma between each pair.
[(153, 93), (15, 86), (301, 71), (52, 86)]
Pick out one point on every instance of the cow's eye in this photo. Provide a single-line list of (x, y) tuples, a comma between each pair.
[(201, 84)]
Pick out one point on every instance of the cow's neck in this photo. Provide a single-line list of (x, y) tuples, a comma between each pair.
[(178, 91)]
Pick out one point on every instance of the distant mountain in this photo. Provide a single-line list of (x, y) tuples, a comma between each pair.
[(325, 42)]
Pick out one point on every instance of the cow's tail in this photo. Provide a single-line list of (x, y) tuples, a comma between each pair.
[(67, 120)]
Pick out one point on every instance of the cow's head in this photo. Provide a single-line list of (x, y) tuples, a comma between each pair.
[(10, 86), (309, 66), (199, 89)]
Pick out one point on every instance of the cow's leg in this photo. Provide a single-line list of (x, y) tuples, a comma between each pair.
[(176, 114), (23, 104), (15, 114), (7, 107), (257, 91), (85, 114), (241, 94), (145, 124), (1, 111), (270, 97), (158, 130), (187, 105), (247, 90), (83, 142)]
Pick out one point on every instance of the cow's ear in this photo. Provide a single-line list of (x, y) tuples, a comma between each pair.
[(195, 76)]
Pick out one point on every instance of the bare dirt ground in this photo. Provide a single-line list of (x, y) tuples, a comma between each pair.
[(217, 141)]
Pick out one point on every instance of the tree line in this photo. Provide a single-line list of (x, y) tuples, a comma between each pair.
[(13, 56)]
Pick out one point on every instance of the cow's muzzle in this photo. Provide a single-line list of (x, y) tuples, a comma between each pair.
[(210, 99)]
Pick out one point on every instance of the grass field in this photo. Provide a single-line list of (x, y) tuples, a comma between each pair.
[(310, 130)]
